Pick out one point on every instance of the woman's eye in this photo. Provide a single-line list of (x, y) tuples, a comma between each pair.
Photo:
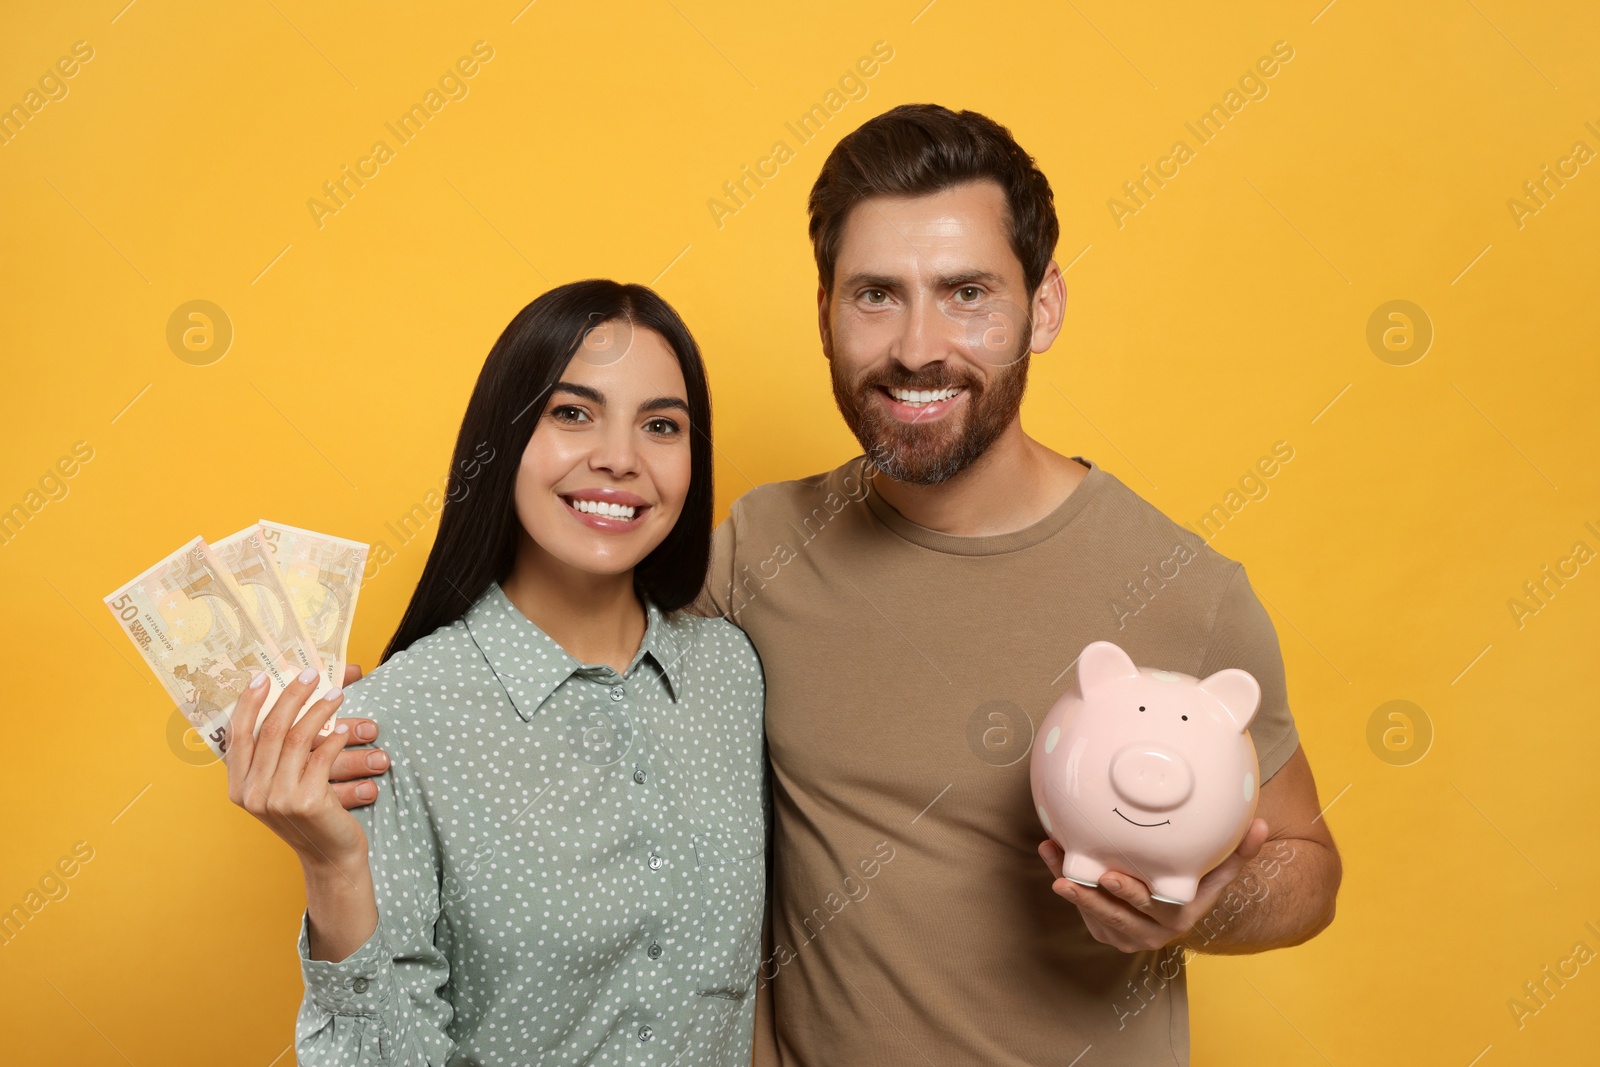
[(664, 427), (568, 413)]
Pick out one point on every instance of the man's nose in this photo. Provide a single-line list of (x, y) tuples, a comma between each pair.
[(924, 337)]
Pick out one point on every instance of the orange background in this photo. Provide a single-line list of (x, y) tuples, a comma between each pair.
[(1229, 312)]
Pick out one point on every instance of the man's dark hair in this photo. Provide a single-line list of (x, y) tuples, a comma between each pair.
[(918, 149)]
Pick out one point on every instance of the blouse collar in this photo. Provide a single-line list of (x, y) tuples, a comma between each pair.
[(531, 665)]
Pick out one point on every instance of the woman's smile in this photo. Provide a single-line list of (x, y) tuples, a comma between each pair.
[(606, 509)]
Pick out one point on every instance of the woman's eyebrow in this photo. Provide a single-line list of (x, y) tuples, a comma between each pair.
[(580, 390), (658, 403)]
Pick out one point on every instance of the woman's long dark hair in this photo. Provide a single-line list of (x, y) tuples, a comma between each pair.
[(479, 528)]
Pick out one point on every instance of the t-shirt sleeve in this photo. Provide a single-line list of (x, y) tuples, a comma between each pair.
[(1242, 636), (717, 593)]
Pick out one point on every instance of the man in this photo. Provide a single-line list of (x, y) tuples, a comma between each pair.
[(919, 609), (916, 616)]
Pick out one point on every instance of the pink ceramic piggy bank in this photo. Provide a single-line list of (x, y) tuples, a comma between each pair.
[(1147, 772)]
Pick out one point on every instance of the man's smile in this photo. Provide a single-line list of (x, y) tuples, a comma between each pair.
[(920, 405)]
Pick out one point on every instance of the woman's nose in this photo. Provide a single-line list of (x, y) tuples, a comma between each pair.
[(616, 451)]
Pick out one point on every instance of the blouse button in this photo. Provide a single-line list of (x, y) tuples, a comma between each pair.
[(617, 692), (654, 951), (645, 1033), (639, 775), (655, 862), (359, 985)]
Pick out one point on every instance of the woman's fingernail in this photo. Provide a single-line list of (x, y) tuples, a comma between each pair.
[(259, 680), (341, 728), (1111, 884), (308, 675), (367, 731), (366, 791), (333, 694), (377, 761)]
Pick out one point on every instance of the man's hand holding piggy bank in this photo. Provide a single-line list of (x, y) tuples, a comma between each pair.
[(1147, 783)]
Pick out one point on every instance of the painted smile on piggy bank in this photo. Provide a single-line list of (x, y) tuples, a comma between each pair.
[(1131, 749), (1163, 822)]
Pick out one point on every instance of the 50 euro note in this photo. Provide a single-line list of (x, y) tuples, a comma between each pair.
[(190, 622), (266, 596), (323, 575)]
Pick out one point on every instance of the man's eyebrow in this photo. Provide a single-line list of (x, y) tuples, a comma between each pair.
[(871, 281), (953, 280), (970, 277), (580, 390)]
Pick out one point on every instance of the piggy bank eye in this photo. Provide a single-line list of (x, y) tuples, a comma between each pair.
[(1186, 718), (1141, 707)]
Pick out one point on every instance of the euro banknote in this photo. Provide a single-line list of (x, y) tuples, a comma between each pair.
[(266, 597), (188, 620), (323, 575), (269, 598)]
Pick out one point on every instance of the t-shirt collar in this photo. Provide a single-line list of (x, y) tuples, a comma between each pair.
[(995, 544), (531, 665)]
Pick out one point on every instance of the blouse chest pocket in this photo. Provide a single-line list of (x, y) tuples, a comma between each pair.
[(733, 891)]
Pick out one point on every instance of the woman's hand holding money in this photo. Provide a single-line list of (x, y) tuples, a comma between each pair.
[(279, 774)]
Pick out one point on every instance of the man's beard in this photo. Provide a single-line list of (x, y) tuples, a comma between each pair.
[(936, 452)]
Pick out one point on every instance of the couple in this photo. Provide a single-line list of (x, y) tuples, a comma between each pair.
[(566, 854)]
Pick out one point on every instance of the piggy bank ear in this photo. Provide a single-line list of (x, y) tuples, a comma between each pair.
[(1238, 693), (1102, 662)]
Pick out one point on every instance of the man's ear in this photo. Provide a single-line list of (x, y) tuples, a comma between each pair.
[(1049, 308), (822, 323)]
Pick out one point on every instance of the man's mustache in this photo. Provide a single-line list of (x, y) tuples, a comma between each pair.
[(904, 379)]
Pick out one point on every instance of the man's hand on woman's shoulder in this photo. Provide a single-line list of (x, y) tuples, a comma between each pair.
[(353, 769)]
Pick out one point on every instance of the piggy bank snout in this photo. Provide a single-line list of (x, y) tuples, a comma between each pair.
[(1151, 776)]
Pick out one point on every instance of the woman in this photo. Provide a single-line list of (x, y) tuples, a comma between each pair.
[(565, 862)]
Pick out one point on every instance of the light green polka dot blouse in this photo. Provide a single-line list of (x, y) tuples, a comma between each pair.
[(570, 863)]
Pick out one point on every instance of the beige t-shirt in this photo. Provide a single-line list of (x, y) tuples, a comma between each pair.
[(912, 920)]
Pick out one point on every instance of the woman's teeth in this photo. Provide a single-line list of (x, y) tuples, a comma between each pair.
[(919, 397), (604, 510)]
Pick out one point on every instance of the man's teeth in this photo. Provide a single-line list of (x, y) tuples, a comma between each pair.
[(922, 396), (604, 510)]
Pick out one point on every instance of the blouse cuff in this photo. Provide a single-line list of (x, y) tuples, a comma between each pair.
[(357, 985)]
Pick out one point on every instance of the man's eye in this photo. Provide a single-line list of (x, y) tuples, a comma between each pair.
[(664, 427), (968, 293), (568, 413), (875, 296)]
